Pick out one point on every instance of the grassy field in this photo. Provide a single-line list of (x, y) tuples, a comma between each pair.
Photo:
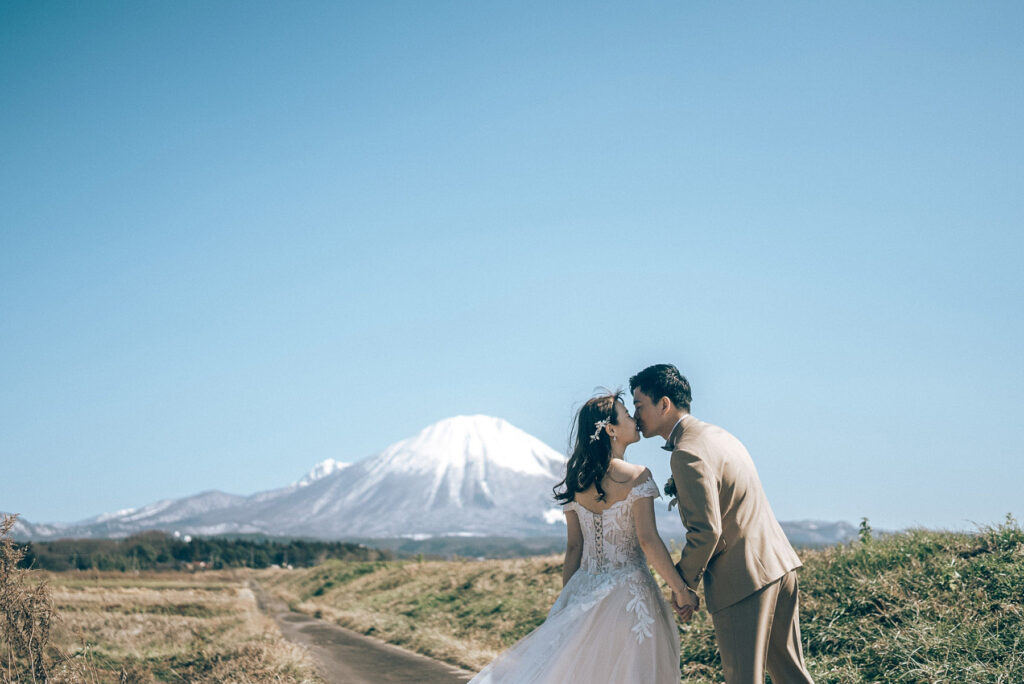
[(914, 607), (164, 627), (462, 612)]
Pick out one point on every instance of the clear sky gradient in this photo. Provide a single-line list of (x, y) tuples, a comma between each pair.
[(240, 238)]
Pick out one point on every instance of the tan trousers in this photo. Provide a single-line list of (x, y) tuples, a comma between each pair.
[(763, 630)]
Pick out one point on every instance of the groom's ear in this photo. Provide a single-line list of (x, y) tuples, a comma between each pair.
[(664, 405)]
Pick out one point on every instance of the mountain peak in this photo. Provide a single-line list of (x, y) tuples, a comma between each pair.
[(477, 421), (460, 441), (321, 470)]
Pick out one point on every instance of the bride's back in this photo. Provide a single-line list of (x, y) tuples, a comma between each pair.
[(618, 481)]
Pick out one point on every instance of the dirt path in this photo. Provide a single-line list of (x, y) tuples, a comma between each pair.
[(349, 657)]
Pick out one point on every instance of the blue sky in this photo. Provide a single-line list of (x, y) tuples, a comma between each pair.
[(239, 238)]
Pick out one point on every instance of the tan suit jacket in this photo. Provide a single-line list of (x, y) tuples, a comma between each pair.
[(733, 541)]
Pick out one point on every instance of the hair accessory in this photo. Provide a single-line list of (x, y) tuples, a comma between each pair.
[(599, 425)]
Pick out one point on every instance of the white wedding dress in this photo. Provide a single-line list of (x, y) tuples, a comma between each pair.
[(610, 623)]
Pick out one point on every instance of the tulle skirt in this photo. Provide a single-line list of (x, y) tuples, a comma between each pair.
[(608, 627)]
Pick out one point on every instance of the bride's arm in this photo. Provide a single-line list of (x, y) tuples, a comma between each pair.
[(573, 546), (653, 546)]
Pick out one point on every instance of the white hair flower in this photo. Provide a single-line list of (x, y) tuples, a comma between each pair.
[(599, 425)]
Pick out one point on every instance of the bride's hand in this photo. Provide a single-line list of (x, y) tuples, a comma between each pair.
[(685, 604)]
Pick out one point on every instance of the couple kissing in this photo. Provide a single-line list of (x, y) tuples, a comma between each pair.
[(611, 622)]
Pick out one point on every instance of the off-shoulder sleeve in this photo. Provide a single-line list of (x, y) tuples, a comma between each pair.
[(646, 488)]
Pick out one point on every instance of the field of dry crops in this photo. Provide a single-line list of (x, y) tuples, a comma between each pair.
[(166, 627)]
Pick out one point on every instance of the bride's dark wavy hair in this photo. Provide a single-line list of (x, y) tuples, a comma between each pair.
[(589, 459)]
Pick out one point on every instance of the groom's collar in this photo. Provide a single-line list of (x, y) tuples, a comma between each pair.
[(677, 432)]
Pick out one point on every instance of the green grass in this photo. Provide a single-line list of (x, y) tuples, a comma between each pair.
[(920, 606)]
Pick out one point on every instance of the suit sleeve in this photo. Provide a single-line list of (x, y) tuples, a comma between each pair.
[(699, 509)]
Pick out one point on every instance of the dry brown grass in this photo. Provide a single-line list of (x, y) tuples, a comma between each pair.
[(461, 612), (173, 627), (137, 627)]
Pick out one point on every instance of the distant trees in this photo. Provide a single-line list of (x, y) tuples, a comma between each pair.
[(160, 551)]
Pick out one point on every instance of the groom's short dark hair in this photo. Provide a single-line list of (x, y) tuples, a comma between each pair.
[(663, 380)]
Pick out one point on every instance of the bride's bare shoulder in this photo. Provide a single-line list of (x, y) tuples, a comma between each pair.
[(633, 471), (640, 473)]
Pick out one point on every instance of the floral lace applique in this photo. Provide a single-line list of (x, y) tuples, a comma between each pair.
[(638, 606), (612, 553)]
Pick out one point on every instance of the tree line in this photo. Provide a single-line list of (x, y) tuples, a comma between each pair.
[(160, 551)]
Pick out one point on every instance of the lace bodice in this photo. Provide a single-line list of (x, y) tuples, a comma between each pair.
[(609, 538)]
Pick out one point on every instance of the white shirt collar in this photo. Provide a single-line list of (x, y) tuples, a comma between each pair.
[(671, 432)]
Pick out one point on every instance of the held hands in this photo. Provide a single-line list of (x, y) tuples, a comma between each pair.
[(685, 604)]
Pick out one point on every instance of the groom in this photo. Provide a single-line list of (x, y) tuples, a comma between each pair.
[(733, 541)]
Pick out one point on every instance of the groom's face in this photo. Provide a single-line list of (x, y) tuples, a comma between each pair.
[(646, 414)]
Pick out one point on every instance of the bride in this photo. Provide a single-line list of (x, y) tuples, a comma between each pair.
[(611, 622)]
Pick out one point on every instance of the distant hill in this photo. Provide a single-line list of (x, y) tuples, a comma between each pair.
[(802, 534)]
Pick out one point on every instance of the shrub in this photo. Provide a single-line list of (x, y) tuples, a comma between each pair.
[(27, 613)]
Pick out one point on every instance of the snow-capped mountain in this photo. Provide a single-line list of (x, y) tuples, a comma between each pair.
[(470, 475), (463, 475), (467, 475), (162, 515)]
